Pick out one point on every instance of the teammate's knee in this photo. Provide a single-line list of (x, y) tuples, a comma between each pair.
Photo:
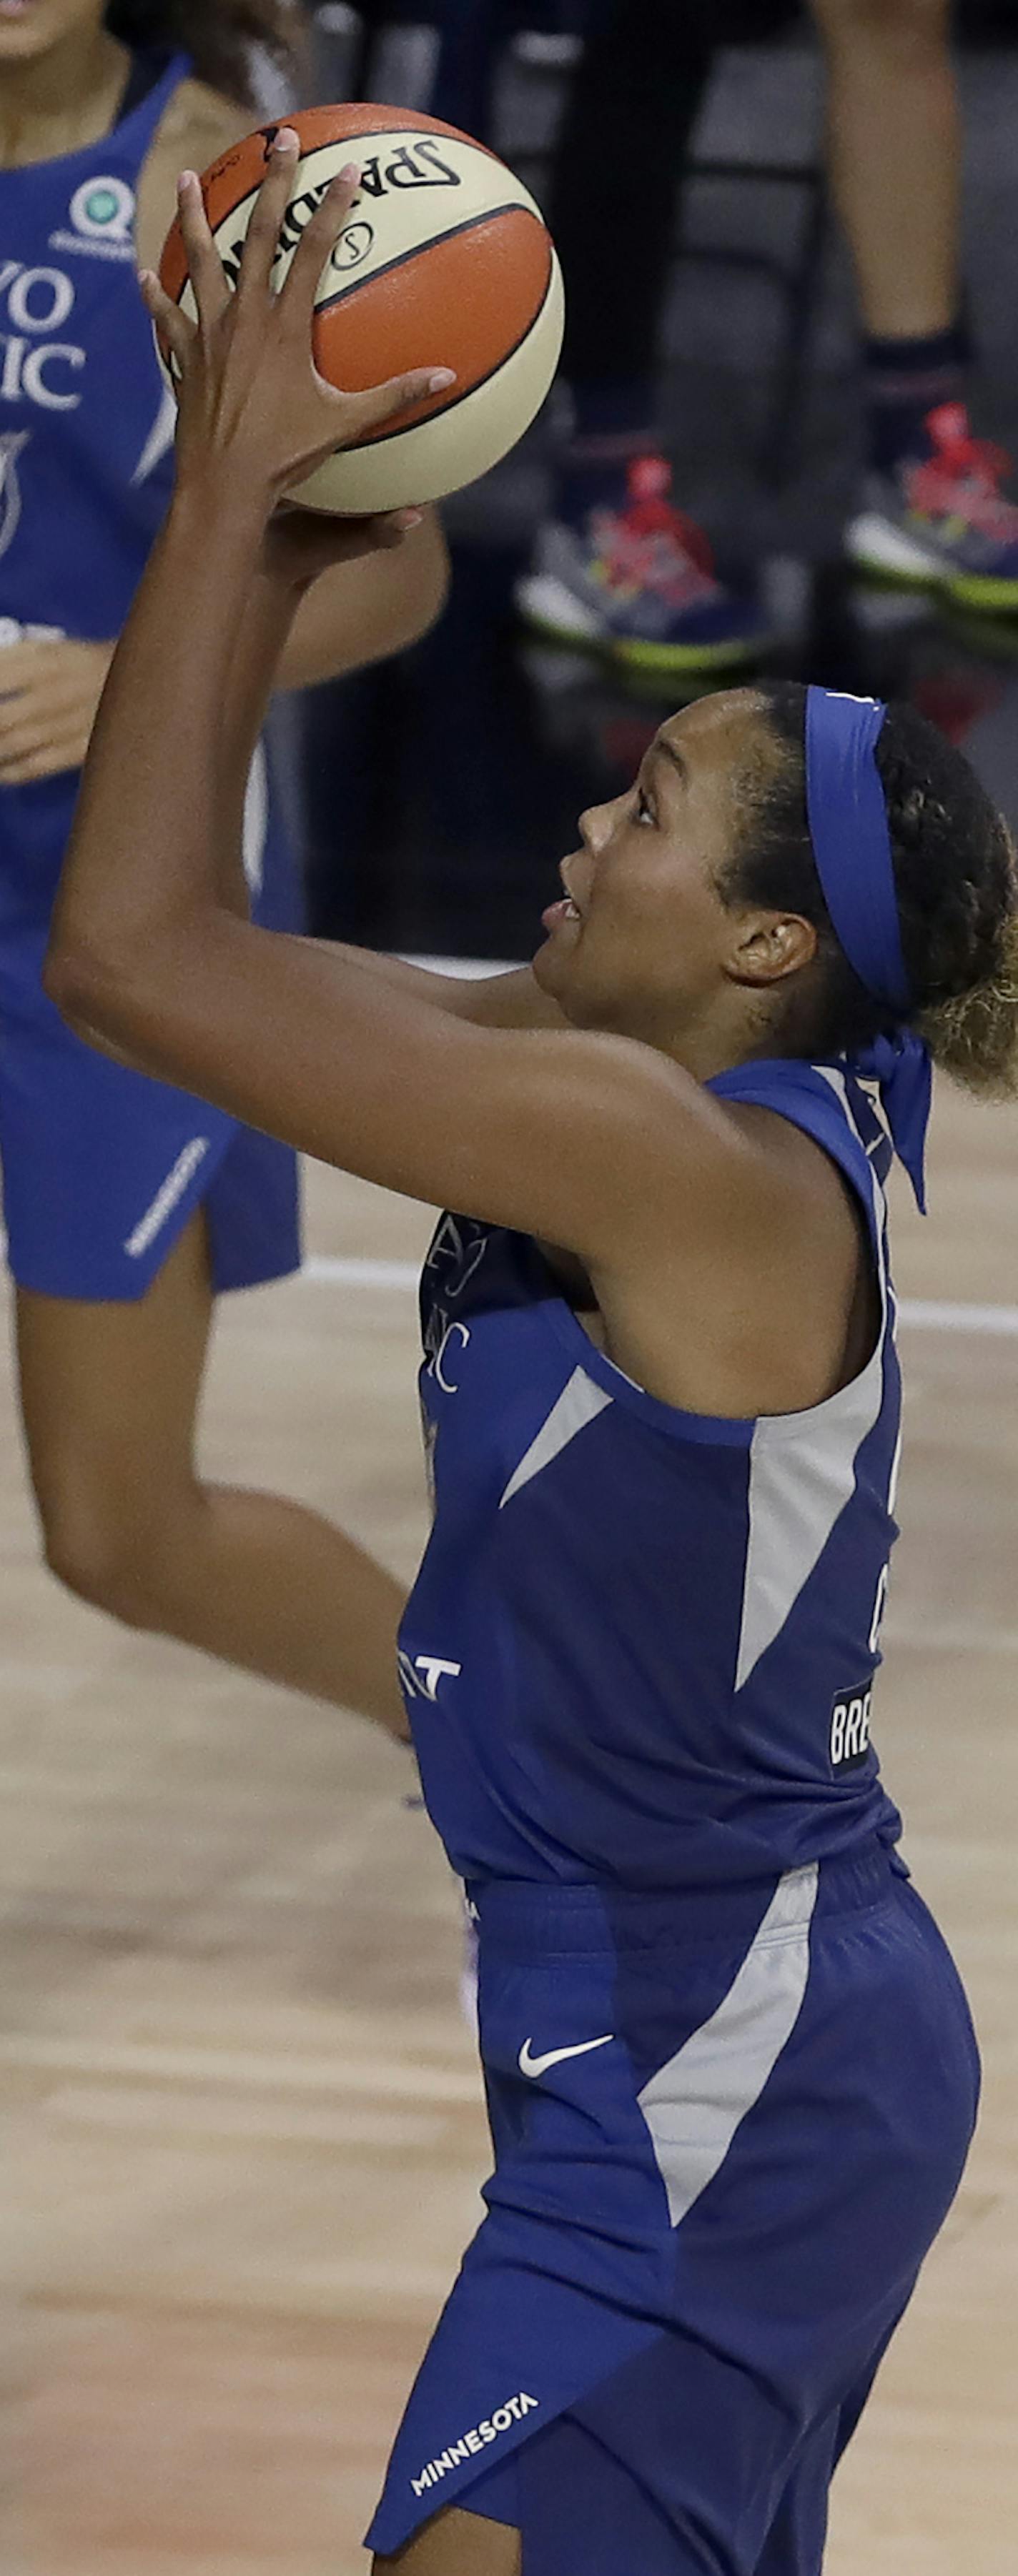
[(115, 1562)]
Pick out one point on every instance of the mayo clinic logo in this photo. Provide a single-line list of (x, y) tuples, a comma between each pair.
[(39, 366), (102, 215)]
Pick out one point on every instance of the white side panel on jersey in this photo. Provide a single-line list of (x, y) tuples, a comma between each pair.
[(160, 438), (694, 2105), (579, 1403), (801, 1475), (256, 820)]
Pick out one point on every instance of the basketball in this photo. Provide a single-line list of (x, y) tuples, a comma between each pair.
[(444, 259)]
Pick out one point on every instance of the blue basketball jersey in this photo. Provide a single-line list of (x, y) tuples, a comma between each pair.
[(86, 418), (87, 425), (86, 435), (102, 1167), (642, 1643)]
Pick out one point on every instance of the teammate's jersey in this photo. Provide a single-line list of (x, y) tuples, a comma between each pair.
[(86, 434), (642, 1642)]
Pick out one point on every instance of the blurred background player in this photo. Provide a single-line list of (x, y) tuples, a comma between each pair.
[(616, 563), (128, 1204)]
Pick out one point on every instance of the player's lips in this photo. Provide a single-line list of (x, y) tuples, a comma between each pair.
[(11, 9), (569, 909)]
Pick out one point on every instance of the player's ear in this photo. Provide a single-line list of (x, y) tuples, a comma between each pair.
[(769, 946)]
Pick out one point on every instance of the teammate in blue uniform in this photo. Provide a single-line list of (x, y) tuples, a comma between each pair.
[(731, 2071), (129, 1204)]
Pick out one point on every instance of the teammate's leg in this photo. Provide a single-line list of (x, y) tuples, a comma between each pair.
[(894, 156), (933, 504), (594, 577), (456, 2544), (110, 1396)]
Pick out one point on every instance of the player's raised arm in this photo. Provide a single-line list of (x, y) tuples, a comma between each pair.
[(146, 951)]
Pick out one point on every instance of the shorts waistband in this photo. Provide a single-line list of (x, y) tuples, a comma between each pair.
[(540, 1920)]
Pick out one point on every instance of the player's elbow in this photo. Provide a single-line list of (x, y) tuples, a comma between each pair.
[(90, 988)]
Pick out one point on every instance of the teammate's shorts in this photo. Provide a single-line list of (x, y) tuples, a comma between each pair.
[(103, 1168), (727, 2127)]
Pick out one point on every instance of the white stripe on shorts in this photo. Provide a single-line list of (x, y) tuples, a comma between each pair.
[(694, 2105), (167, 1197)]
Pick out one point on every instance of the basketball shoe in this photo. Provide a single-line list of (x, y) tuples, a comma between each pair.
[(943, 517), (636, 581)]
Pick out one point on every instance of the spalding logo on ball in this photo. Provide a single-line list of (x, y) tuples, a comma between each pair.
[(444, 260)]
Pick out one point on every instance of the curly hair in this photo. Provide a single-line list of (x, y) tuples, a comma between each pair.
[(218, 35), (957, 884)]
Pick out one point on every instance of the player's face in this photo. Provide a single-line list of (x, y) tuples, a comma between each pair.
[(640, 943), (29, 29)]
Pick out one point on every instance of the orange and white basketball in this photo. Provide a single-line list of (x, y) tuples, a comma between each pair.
[(444, 260)]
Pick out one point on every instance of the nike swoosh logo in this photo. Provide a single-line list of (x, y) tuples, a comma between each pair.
[(529, 2065)]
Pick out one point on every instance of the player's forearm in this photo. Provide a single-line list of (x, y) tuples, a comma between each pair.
[(144, 851), (361, 612)]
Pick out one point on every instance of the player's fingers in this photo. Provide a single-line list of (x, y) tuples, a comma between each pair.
[(206, 268), (44, 763), (381, 402), (175, 329), (27, 741), (20, 664), (273, 198), (317, 241)]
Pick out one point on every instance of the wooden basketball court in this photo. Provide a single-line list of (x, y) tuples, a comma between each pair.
[(243, 2126)]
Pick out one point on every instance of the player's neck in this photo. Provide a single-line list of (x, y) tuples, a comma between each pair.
[(62, 102)]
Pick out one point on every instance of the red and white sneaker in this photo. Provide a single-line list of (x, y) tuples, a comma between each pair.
[(943, 518), (637, 582)]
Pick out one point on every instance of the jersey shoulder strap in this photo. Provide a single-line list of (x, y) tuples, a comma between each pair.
[(829, 1104)]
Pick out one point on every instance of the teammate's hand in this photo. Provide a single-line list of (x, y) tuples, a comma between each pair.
[(49, 700), (252, 402)]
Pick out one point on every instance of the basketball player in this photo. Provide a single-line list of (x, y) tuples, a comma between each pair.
[(731, 2070), (128, 1204)]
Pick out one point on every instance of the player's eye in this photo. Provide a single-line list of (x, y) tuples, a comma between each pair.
[(644, 809)]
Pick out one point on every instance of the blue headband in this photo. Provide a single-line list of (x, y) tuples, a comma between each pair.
[(848, 826)]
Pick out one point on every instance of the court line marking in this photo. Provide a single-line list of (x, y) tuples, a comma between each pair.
[(920, 1314), (252, 2069)]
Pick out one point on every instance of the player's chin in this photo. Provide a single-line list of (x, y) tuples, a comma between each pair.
[(564, 973), (552, 964), (22, 27)]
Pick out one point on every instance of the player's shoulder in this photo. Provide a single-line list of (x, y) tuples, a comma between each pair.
[(202, 119), (197, 124)]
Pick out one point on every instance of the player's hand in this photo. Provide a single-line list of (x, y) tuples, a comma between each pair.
[(49, 700), (300, 545), (252, 403)]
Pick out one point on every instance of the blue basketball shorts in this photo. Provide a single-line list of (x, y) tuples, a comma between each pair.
[(727, 2127), (103, 1168)]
